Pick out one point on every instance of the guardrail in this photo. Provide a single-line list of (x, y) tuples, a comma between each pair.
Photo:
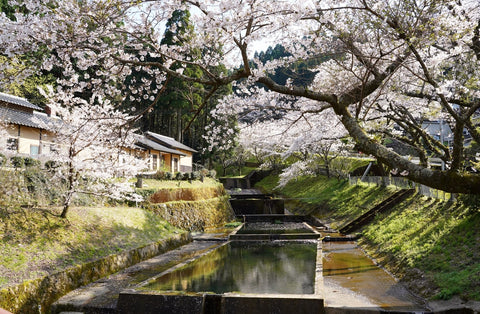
[(402, 183)]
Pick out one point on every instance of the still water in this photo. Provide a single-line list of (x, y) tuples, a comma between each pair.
[(265, 267), (275, 228), (351, 279)]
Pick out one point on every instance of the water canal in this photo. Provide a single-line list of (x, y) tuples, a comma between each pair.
[(265, 268), (246, 267), (351, 279)]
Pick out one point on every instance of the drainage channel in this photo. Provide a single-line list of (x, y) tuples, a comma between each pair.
[(271, 264), (352, 280), (274, 271)]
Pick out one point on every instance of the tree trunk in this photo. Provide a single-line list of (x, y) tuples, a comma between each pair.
[(65, 211), (70, 191), (449, 181)]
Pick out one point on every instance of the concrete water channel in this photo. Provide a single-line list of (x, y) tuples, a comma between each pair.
[(272, 263)]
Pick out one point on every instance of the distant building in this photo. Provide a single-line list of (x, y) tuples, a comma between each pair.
[(439, 130), (26, 136), (164, 152)]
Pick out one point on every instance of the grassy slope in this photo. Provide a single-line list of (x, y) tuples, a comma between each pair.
[(35, 243), (332, 200), (441, 239), (420, 237)]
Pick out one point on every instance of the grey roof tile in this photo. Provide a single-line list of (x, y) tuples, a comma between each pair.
[(25, 118), (169, 141), (18, 101), (145, 142)]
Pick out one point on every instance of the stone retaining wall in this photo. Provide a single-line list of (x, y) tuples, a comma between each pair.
[(195, 215), (36, 296)]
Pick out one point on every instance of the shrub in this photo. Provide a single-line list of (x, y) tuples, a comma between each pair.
[(160, 175), (195, 175), (168, 176), (179, 176), (3, 159), (212, 174), (51, 164), (31, 162), (17, 161)]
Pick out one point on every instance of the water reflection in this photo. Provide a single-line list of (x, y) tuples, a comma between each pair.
[(346, 268), (247, 267)]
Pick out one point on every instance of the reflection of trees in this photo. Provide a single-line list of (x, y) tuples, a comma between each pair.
[(250, 268), (197, 270)]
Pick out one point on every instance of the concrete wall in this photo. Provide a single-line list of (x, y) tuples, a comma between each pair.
[(257, 206), (131, 302)]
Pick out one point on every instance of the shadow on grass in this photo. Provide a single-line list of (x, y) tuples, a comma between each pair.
[(439, 239)]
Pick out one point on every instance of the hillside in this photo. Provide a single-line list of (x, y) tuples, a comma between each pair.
[(431, 245)]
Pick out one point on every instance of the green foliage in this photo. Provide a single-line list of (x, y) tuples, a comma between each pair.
[(3, 160), (7, 9), (51, 165), (179, 176), (17, 161), (31, 162), (298, 70)]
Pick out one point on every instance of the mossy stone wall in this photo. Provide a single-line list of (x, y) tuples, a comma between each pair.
[(186, 194), (195, 215), (36, 296)]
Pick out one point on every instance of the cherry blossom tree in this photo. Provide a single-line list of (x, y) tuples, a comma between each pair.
[(90, 147), (220, 136), (390, 64)]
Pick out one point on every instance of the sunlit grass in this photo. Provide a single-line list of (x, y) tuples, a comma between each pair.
[(439, 238), (36, 242)]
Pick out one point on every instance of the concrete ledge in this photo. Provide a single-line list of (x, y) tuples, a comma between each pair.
[(272, 237), (347, 310), (132, 301), (278, 304), (258, 206)]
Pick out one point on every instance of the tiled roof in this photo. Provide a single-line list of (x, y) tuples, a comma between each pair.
[(142, 141), (33, 120), (169, 141), (18, 101)]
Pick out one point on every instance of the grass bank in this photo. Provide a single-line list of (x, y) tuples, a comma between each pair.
[(37, 242), (432, 245), (45, 256), (334, 201)]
